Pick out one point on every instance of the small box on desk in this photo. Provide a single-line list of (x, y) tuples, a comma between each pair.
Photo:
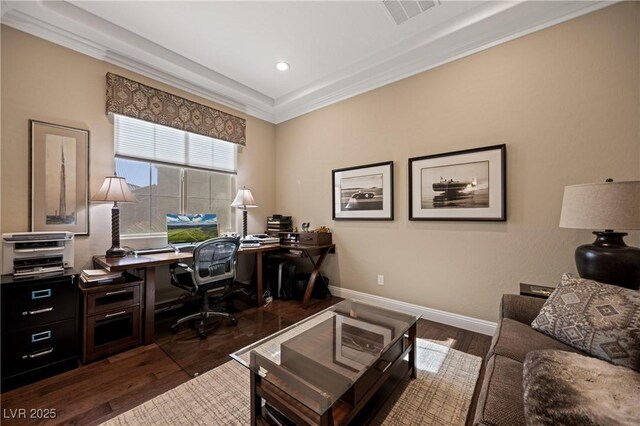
[(314, 238)]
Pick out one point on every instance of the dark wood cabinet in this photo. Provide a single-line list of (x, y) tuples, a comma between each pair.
[(39, 327), (111, 317)]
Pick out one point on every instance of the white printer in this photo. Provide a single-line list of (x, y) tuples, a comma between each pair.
[(32, 253)]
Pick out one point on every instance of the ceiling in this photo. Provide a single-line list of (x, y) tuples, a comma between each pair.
[(226, 51)]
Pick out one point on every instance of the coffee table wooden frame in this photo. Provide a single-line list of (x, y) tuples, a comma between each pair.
[(348, 406)]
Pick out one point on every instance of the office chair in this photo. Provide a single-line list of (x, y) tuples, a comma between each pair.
[(213, 267)]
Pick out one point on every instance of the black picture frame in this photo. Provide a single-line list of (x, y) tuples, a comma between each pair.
[(363, 192), (59, 158), (466, 185)]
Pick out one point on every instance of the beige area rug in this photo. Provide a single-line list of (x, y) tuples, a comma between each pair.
[(440, 395)]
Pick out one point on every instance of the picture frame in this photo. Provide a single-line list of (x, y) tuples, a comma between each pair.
[(363, 192), (357, 343), (467, 185), (59, 174)]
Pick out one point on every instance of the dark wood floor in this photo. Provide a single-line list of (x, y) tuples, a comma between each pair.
[(93, 393)]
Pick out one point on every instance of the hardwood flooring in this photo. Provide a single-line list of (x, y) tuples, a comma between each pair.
[(96, 392)]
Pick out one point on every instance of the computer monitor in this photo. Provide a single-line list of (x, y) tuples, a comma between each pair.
[(191, 228)]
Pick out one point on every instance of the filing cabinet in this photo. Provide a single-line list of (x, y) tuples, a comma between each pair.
[(39, 327), (112, 318)]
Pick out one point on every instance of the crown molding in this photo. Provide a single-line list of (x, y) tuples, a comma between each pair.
[(486, 26)]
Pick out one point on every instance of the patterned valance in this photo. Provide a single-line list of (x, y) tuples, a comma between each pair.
[(133, 99)]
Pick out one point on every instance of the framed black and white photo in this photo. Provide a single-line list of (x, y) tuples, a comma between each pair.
[(59, 178), (460, 185), (363, 192), (358, 343)]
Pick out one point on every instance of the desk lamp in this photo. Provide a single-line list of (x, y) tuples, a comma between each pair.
[(244, 200), (114, 189), (605, 206)]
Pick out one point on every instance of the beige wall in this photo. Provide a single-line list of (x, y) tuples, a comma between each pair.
[(565, 100), (50, 83)]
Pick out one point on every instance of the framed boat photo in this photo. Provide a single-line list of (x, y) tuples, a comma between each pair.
[(59, 178), (363, 192), (465, 185)]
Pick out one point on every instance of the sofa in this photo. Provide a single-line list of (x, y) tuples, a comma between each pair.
[(533, 378), (501, 396)]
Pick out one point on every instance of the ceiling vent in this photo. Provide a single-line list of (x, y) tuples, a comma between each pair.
[(401, 11)]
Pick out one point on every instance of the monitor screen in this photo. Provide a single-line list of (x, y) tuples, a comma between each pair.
[(191, 228)]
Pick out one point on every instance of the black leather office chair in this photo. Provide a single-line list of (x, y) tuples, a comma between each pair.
[(213, 267)]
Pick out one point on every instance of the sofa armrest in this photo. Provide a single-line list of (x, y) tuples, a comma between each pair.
[(523, 309)]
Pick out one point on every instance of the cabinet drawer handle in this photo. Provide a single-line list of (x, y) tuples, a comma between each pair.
[(38, 311), (40, 294), (111, 293), (386, 367), (36, 337), (38, 354), (115, 314)]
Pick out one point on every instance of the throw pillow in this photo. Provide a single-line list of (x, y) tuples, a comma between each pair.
[(563, 388), (600, 319)]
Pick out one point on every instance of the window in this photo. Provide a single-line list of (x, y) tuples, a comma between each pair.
[(172, 171)]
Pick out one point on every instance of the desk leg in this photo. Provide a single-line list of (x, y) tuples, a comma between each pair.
[(259, 290), (314, 275), (149, 304)]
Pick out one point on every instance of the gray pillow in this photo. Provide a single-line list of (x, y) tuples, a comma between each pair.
[(563, 388), (600, 319)]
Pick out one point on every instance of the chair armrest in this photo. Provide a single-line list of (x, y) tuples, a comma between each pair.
[(174, 266), (523, 309)]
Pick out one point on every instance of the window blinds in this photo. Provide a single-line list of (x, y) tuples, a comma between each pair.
[(156, 143)]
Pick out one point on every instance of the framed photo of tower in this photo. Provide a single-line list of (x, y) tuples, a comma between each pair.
[(59, 178)]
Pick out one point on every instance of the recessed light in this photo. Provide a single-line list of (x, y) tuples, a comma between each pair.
[(282, 66)]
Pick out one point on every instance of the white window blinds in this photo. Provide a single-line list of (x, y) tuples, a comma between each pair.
[(143, 140)]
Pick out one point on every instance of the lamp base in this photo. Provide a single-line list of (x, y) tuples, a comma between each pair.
[(609, 260), (115, 252)]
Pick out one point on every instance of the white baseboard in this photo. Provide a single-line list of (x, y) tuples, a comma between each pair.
[(456, 320)]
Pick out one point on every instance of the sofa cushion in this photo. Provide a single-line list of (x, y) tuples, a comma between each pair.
[(500, 400), (572, 389), (514, 340), (600, 319)]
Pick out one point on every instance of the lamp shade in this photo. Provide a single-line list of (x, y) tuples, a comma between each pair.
[(244, 199), (114, 189), (607, 205)]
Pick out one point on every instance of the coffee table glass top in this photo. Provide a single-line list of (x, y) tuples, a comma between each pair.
[(318, 359)]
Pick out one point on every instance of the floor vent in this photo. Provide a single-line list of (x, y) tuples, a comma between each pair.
[(401, 11)]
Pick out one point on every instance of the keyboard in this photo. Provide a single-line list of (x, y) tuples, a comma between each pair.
[(142, 252)]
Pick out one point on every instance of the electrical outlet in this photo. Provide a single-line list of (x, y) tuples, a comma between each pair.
[(380, 279)]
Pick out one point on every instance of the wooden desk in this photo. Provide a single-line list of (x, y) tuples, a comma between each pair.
[(148, 263)]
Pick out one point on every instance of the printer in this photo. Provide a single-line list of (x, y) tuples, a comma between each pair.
[(32, 253)]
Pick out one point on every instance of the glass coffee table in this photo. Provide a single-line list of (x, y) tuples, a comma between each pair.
[(324, 369)]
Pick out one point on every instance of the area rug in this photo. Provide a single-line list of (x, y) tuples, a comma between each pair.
[(441, 394)]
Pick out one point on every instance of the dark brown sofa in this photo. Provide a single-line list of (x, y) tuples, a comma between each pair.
[(501, 395)]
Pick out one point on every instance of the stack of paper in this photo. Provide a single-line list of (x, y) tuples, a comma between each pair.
[(99, 276)]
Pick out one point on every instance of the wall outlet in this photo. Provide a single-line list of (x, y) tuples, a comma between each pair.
[(380, 279)]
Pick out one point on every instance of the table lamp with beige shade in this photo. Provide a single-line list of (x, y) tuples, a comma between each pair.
[(244, 200), (607, 206), (114, 189)]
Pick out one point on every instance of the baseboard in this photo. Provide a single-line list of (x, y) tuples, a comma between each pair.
[(456, 320)]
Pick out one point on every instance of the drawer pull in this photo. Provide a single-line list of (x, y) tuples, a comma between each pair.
[(36, 337), (115, 314), (40, 294), (386, 367), (38, 354), (111, 293), (38, 311)]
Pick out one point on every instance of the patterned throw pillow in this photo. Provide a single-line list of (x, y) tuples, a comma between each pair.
[(600, 319)]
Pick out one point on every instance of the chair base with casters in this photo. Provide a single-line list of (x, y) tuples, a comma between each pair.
[(213, 268)]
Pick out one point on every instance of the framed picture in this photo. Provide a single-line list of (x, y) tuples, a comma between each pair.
[(461, 185), (358, 343), (363, 192), (59, 178)]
